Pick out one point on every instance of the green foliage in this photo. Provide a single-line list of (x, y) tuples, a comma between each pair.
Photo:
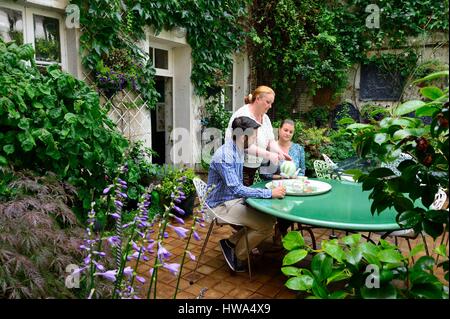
[(413, 191), (171, 180), (296, 41), (37, 250), (214, 32), (54, 122), (340, 270), (316, 42), (215, 116), (317, 116)]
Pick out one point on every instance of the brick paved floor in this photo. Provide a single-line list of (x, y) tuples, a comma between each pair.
[(216, 280)]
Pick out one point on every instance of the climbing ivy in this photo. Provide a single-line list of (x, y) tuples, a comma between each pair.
[(317, 41), (113, 28)]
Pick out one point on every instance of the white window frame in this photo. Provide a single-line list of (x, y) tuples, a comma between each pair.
[(232, 85), (28, 28), (162, 72)]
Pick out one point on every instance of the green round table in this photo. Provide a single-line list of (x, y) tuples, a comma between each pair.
[(346, 206)]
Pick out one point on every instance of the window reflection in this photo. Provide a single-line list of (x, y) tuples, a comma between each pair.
[(46, 39), (11, 25)]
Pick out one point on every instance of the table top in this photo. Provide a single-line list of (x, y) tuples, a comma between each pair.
[(346, 206)]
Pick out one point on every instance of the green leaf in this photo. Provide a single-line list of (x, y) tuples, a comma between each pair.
[(401, 134), (416, 249), (409, 219), (431, 92), (381, 172), (390, 256), (291, 271), (386, 291), (333, 249), (431, 228), (3, 161), (427, 291), (338, 275), (8, 148), (352, 240), (424, 263), (24, 124), (338, 295), (302, 283), (319, 290), (426, 110), (70, 118), (408, 107), (441, 250), (37, 105), (380, 138), (358, 126), (293, 240), (432, 76), (322, 266), (354, 256), (294, 256)]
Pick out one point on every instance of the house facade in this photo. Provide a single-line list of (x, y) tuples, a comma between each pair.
[(173, 128)]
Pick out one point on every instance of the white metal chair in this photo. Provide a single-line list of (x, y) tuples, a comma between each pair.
[(394, 164), (202, 189), (322, 169), (408, 234), (334, 166)]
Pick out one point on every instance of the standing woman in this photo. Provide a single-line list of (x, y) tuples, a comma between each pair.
[(295, 151), (256, 106)]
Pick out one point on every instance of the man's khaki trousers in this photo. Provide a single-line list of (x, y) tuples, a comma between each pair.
[(259, 225)]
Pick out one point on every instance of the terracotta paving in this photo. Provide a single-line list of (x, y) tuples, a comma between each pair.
[(214, 279)]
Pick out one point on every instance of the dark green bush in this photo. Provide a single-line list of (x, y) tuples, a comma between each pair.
[(54, 122)]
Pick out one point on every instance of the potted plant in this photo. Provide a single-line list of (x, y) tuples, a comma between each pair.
[(173, 178)]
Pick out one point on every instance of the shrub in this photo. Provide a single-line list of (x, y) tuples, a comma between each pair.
[(54, 122), (35, 252)]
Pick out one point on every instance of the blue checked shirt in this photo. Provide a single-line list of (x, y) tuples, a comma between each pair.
[(226, 174)]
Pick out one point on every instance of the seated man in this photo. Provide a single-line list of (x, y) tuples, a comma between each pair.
[(229, 193)]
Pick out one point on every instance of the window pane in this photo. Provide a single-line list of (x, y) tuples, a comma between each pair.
[(150, 55), (46, 39), (161, 59), (11, 25), (229, 98)]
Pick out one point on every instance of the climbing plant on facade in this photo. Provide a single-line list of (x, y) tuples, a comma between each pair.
[(316, 42), (112, 29)]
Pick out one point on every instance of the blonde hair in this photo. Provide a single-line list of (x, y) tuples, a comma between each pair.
[(260, 90)]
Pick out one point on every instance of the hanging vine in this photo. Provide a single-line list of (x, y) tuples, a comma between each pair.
[(317, 41), (112, 28)]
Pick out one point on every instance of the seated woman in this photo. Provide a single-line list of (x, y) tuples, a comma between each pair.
[(297, 153)]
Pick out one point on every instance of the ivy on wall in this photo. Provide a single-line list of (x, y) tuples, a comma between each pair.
[(112, 28), (316, 42)]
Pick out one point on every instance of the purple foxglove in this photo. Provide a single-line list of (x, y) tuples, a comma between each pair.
[(114, 240), (118, 203), (191, 255), (109, 275), (179, 210), (166, 234), (178, 219), (115, 215), (180, 231), (140, 279), (163, 253), (174, 268), (98, 266), (196, 236), (107, 189), (128, 271)]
